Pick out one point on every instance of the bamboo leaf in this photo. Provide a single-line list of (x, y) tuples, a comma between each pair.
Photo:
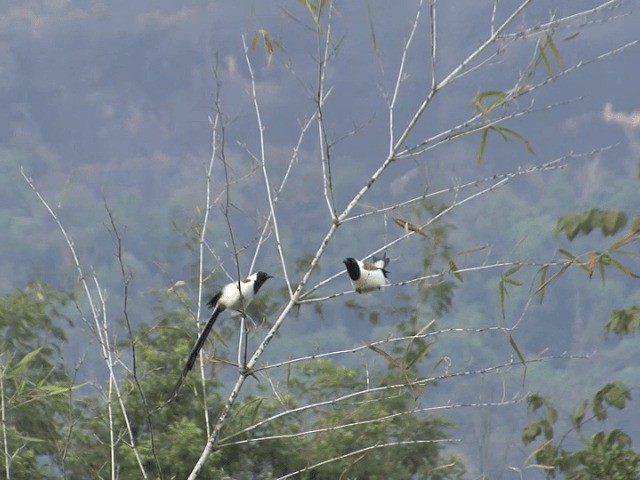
[(454, 270), (372, 29), (407, 226), (519, 354), (313, 10), (567, 254), (500, 131), (564, 268), (578, 417), (517, 350), (495, 98), (267, 42), (517, 136), (612, 261), (52, 390), (554, 50), (543, 282), (626, 239), (421, 353), (384, 354), (502, 294), (472, 251), (512, 270), (592, 263), (483, 146), (545, 61), (24, 361), (425, 328)]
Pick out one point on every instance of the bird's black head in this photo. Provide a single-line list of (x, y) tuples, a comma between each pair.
[(352, 268), (261, 277)]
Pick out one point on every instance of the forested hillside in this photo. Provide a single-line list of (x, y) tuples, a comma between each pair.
[(152, 152)]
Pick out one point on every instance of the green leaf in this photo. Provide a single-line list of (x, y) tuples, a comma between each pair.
[(535, 401), (518, 352), (567, 254), (545, 61), (52, 390), (552, 413), (507, 132), (612, 222), (513, 269), (578, 417), (512, 281), (496, 98), (531, 432), (502, 294), (554, 50), (623, 322), (609, 260), (617, 394), (608, 221), (483, 146), (454, 270), (24, 361), (543, 282), (372, 29), (420, 354), (547, 429), (614, 395)]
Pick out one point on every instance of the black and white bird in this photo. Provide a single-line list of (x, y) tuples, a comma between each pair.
[(229, 298), (366, 277)]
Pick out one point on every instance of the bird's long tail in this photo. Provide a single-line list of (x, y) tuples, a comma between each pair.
[(196, 350)]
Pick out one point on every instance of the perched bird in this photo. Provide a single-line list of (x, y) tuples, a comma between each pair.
[(229, 298), (366, 277)]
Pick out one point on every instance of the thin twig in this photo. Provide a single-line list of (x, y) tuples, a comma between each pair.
[(365, 450), (263, 162), (224, 443), (101, 331)]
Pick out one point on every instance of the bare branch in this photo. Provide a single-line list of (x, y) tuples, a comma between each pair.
[(564, 21), (353, 396), (401, 70), (502, 403), (325, 150), (364, 450), (263, 162), (101, 331)]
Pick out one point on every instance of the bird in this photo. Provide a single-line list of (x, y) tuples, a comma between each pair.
[(229, 298), (366, 277)]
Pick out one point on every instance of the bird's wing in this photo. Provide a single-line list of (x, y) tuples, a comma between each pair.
[(381, 262), (214, 300), (370, 266)]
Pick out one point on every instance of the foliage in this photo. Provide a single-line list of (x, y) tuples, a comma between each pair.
[(361, 430), (34, 385), (357, 433), (603, 455), (622, 322), (609, 222), (616, 256)]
